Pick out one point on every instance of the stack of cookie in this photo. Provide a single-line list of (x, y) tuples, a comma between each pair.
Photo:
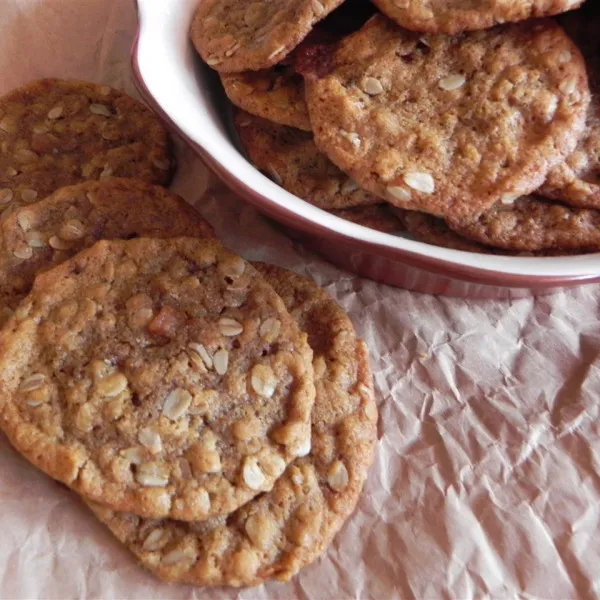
[(217, 416), (471, 127)]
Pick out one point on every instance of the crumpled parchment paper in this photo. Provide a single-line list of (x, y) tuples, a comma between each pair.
[(485, 482)]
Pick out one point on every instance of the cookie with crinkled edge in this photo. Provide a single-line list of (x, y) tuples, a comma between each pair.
[(36, 237), (450, 125), (274, 536), (380, 217), (160, 377), (454, 16), (233, 36), (576, 181), (532, 224), (56, 132), (290, 157), (275, 94)]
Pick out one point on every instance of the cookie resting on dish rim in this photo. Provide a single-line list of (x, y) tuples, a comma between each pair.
[(188, 95)]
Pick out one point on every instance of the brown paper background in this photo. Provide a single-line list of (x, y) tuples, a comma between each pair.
[(485, 482)]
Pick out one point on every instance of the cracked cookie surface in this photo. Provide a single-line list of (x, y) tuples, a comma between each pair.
[(160, 377), (57, 132), (450, 125), (273, 536), (34, 238)]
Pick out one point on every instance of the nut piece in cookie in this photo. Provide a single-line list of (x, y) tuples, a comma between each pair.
[(290, 157), (55, 133), (35, 238), (160, 377), (274, 536), (454, 16), (237, 35), (450, 125)]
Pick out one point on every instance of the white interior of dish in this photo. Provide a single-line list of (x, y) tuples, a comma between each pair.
[(190, 95)]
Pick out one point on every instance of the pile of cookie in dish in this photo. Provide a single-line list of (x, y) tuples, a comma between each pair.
[(217, 416), (471, 127)]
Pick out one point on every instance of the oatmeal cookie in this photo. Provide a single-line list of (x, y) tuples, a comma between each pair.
[(450, 125), (275, 94), (454, 16), (576, 181), (532, 224), (236, 35), (36, 237), (433, 230), (55, 133), (274, 536), (380, 217), (160, 377), (291, 159)]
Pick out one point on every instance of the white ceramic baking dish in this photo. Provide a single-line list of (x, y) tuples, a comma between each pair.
[(188, 95)]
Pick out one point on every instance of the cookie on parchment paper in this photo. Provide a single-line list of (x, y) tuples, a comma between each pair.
[(36, 237), (454, 16), (450, 125), (290, 157), (274, 536), (160, 377), (236, 35), (56, 132)]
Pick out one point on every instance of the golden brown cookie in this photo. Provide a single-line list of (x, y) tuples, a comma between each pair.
[(55, 133), (532, 224), (379, 217), (275, 94), (291, 159), (454, 16), (576, 181), (274, 536), (450, 125), (37, 237), (160, 377), (237, 35)]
